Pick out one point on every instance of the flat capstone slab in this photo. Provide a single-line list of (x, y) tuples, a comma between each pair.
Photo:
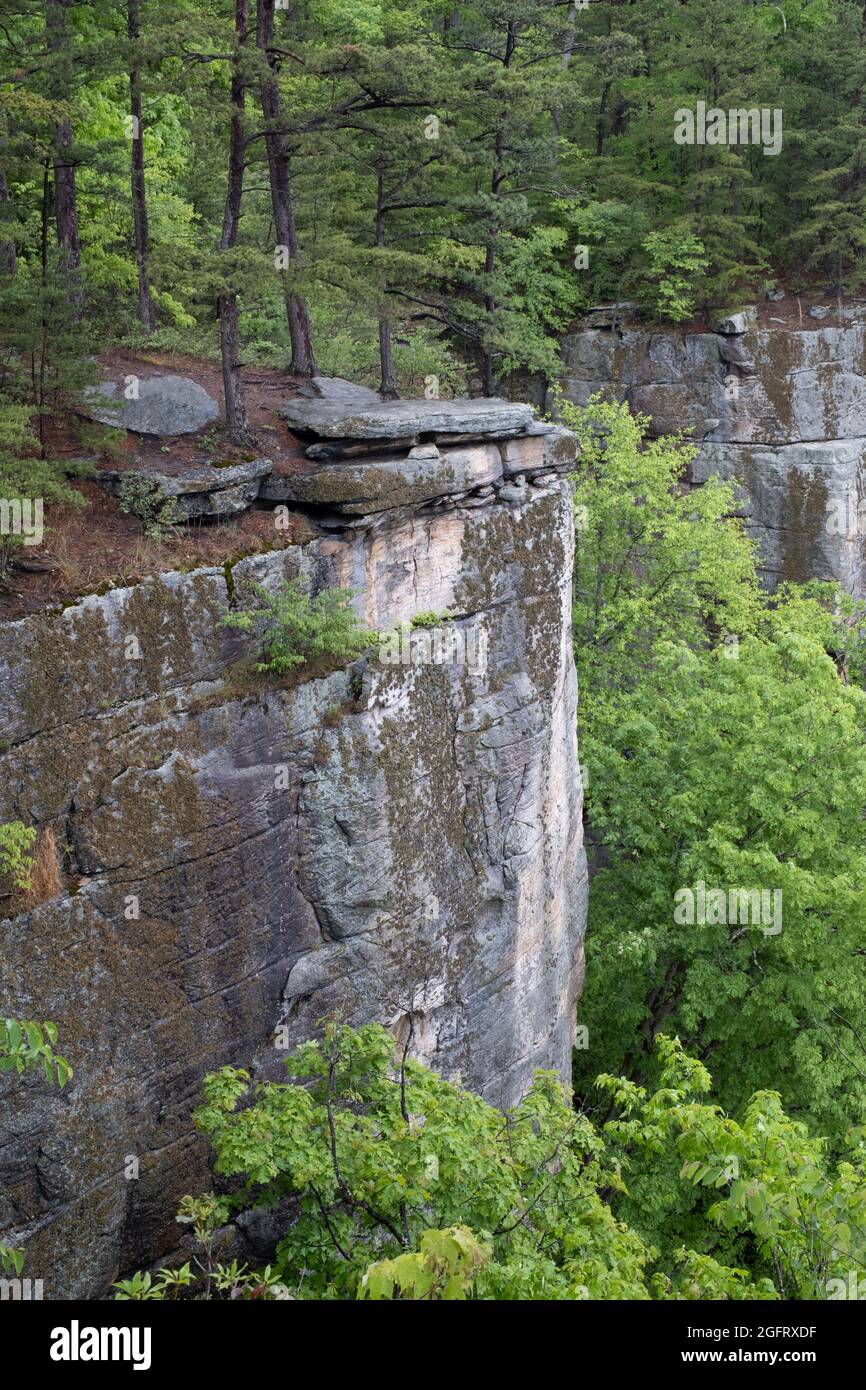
[(406, 419)]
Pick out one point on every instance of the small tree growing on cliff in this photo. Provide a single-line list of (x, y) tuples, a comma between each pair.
[(16, 861), (292, 628)]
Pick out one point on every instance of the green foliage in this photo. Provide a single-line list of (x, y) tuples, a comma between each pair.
[(147, 499), (770, 1181), (28, 1046), (406, 1186), (654, 562), (222, 1281), (292, 629), (676, 261), (725, 751), (211, 1278), (409, 1186), (380, 1150), (444, 1267), (16, 861), (429, 618), (11, 1260), (27, 478)]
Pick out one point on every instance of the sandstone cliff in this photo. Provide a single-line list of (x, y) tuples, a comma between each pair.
[(781, 407), (389, 840)]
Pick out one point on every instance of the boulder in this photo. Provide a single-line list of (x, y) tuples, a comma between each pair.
[(338, 390), (165, 405), (731, 325)]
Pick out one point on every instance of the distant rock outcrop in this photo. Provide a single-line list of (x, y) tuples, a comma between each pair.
[(781, 409)]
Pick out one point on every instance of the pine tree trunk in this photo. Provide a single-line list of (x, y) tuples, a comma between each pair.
[(488, 383), (498, 178), (146, 309), (567, 55), (388, 384), (65, 201), (233, 389), (303, 357)]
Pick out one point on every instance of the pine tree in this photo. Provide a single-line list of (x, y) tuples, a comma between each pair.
[(279, 170)]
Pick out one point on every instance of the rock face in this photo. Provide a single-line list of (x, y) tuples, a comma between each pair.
[(166, 405), (781, 409), (240, 862)]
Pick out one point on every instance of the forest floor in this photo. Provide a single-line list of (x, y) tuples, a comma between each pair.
[(98, 546)]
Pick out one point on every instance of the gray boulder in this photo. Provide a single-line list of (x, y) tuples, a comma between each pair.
[(731, 324), (338, 390), (164, 405)]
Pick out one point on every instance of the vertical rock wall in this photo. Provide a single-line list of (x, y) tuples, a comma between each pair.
[(387, 839), (782, 409)]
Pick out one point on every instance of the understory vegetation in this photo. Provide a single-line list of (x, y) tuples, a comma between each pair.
[(404, 1185)]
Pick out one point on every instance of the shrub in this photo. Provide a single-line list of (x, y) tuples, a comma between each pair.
[(16, 862), (676, 261), (292, 628), (26, 478), (147, 499)]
